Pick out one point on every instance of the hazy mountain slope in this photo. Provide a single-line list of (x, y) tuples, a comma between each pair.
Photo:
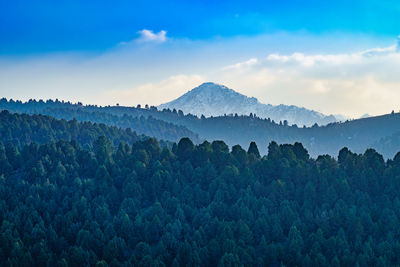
[(357, 135), (146, 125), (210, 99), (389, 145)]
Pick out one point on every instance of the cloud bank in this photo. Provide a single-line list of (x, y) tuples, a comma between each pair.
[(347, 83)]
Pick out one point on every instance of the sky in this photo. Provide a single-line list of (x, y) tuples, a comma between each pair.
[(336, 57)]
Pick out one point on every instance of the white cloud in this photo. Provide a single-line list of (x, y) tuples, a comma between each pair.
[(150, 36), (380, 51), (240, 65), (311, 60)]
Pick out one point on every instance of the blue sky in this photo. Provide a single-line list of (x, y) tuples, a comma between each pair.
[(330, 56), (44, 26)]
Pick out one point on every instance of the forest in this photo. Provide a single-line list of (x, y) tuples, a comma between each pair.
[(21, 129), (358, 135), (148, 125), (138, 203)]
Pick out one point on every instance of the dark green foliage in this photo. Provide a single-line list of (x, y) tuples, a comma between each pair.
[(119, 117), (140, 205), (185, 148), (253, 149), (20, 129)]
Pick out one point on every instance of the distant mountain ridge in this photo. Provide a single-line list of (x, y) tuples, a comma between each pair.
[(148, 125), (210, 99), (379, 132)]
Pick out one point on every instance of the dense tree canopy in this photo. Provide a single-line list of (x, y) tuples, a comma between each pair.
[(21, 129), (144, 205), (80, 192)]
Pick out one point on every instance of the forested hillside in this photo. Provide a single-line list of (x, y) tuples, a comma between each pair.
[(21, 129), (205, 205), (358, 135), (65, 110)]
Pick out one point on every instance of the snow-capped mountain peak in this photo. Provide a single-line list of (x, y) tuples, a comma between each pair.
[(211, 99)]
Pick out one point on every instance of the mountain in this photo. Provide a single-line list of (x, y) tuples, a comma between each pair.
[(210, 99)]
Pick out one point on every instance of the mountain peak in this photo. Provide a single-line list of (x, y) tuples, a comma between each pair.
[(210, 86), (211, 90), (212, 99), (207, 84)]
